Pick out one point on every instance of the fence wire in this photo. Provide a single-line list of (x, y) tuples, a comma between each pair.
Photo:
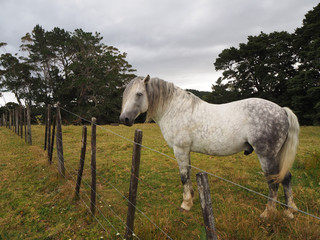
[(169, 157), (194, 167)]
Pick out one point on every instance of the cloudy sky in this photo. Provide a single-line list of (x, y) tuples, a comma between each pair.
[(176, 40)]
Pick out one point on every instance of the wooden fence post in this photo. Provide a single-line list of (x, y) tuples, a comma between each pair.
[(136, 155), (59, 144), (206, 205), (29, 138), (25, 123), (93, 166), (46, 130), (17, 120), (49, 132), (52, 140), (9, 119), (13, 121), (82, 157), (12, 118), (21, 121)]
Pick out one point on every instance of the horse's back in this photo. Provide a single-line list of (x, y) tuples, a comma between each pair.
[(225, 129)]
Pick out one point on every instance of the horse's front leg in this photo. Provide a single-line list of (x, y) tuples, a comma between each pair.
[(183, 158)]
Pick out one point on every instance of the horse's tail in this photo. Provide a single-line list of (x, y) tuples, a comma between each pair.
[(288, 151)]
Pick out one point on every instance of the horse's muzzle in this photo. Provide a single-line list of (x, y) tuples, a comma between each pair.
[(126, 120)]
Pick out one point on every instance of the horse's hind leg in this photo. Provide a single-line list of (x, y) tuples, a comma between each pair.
[(183, 159), (269, 167), (287, 188), (271, 204)]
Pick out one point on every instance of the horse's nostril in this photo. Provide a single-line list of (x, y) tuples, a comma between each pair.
[(126, 120)]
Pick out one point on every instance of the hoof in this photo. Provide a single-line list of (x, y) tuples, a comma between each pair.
[(183, 210), (293, 208), (267, 214), (288, 213), (264, 215), (186, 205)]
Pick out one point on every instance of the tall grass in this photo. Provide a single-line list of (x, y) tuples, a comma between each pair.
[(35, 203)]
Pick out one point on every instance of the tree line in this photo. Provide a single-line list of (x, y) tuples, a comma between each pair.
[(87, 77), (281, 67), (75, 68)]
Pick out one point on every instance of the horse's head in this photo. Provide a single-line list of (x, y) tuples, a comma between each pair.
[(134, 101)]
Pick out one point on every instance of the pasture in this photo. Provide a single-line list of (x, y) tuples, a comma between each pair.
[(35, 203)]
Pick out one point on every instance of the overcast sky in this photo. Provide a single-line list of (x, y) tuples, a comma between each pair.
[(176, 40)]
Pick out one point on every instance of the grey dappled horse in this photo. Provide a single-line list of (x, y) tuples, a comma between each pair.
[(190, 124)]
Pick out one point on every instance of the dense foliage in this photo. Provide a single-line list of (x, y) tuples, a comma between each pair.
[(88, 77), (74, 68), (281, 67)]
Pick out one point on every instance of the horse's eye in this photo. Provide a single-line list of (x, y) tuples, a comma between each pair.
[(139, 94)]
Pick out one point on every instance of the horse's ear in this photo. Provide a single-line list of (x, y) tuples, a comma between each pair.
[(146, 79)]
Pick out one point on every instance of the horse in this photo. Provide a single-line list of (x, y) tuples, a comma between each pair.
[(189, 124)]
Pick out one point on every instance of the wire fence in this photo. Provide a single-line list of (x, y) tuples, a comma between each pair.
[(117, 216), (199, 169)]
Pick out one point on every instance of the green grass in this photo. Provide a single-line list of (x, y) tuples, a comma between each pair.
[(35, 203)]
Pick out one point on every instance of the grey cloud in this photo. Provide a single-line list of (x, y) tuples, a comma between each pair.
[(176, 40)]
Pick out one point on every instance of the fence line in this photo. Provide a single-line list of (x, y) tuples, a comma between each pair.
[(88, 185), (199, 169), (89, 207), (216, 176), (94, 190), (94, 206), (117, 190), (92, 169)]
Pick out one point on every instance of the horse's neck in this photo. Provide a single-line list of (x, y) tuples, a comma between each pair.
[(180, 105)]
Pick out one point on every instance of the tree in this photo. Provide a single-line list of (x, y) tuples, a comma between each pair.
[(78, 70), (279, 66), (258, 68), (15, 77), (305, 86)]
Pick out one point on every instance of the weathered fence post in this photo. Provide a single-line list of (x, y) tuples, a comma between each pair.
[(46, 130), (17, 120), (13, 121), (206, 205), (6, 119), (93, 166), (49, 132), (133, 183), (82, 157), (29, 138), (21, 121), (12, 118), (25, 123), (59, 144), (9, 119), (52, 140)]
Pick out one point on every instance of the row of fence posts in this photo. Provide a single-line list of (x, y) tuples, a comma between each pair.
[(202, 178), (19, 121)]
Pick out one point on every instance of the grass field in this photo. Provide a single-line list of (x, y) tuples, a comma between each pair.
[(35, 203)]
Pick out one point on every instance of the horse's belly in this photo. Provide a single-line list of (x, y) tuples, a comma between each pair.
[(219, 141), (218, 148)]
